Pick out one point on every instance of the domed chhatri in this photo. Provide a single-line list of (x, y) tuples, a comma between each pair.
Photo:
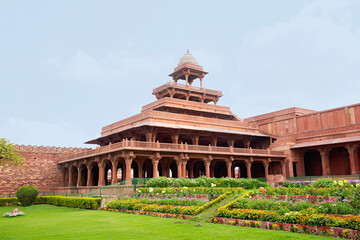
[(188, 58), (188, 69)]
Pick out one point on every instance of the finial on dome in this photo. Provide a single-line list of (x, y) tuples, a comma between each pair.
[(188, 58)]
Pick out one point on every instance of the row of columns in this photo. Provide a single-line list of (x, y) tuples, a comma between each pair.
[(128, 157), (352, 149), (151, 135)]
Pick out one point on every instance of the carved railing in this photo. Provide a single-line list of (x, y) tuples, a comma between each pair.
[(187, 87), (153, 146)]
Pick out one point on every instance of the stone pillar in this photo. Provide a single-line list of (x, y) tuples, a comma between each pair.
[(266, 166), (195, 139), (184, 168), (128, 157), (70, 176), (79, 177), (248, 166), (89, 176), (207, 168), (155, 162), (178, 164), (228, 166), (101, 165), (114, 164), (354, 161), (324, 152)]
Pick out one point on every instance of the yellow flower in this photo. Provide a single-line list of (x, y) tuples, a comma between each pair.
[(357, 185), (341, 182), (334, 182), (345, 181)]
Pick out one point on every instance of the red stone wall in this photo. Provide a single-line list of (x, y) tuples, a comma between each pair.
[(40, 169)]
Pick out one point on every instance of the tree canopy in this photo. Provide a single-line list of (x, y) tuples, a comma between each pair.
[(8, 155)]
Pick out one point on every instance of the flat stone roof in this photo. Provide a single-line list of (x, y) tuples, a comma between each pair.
[(326, 142)]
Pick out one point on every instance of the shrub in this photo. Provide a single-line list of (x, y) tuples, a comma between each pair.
[(9, 201), (247, 183), (355, 200), (27, 195), (72, 202)]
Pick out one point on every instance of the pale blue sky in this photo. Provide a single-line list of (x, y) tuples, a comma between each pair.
[(67, 68)]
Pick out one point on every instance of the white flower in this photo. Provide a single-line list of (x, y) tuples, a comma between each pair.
[(163, 191), (213, 185), (150, 189)]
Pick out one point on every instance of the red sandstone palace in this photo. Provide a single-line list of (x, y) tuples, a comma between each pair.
[(184, 133)]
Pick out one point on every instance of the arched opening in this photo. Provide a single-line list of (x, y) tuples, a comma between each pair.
[(94, 175), (257, 170), (339, 161), (220, 169), (274, 168), (239, 169), (204, 140), (148, 169), (74, 176), (239, 143), (173, 169), (84, 173), (312, 162), (199, 169), (66, 178), (108, 172), (134, 170), (222, 142)]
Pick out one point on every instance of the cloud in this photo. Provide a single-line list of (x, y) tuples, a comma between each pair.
[(22, 131), (312, 60)]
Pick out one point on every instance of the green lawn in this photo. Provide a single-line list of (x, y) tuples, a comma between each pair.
[(50, 222)]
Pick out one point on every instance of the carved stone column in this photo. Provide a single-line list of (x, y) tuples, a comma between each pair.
[(128, 157), (324, 152), (70, 176), (266, 164), (114, 165), (353, 154), (207, 162), (229, 166), (89, 175), (155, 162), (79, 176), (140, 169), (101, 164), (248, 164)]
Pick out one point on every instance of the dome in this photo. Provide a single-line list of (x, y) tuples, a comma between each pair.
[(188, 58)]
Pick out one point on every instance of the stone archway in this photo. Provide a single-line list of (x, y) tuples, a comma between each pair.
[(257, 170), (84, 175), (339, 161), (239, 169), (148, 168), (220, 169), (312, 163), (74, 176), (94, 174)]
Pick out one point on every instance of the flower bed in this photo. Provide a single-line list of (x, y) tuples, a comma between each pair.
[(275, 204), (148, 213), (301, 228), (183, 191), (163, 204), (336, 191)]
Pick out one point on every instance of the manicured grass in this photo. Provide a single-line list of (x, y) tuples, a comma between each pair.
[(51, 222)]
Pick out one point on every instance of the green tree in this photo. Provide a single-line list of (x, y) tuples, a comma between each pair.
[(8, 155)]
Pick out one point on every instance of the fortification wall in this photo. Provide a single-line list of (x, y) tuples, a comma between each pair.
[(39, 169)]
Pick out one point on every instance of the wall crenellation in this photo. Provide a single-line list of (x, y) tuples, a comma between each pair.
[(48, 149)]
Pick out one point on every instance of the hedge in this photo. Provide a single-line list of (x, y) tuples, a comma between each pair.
[(210, 204), (9, 201), (191, 190), (246, 183), (72, 202)]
